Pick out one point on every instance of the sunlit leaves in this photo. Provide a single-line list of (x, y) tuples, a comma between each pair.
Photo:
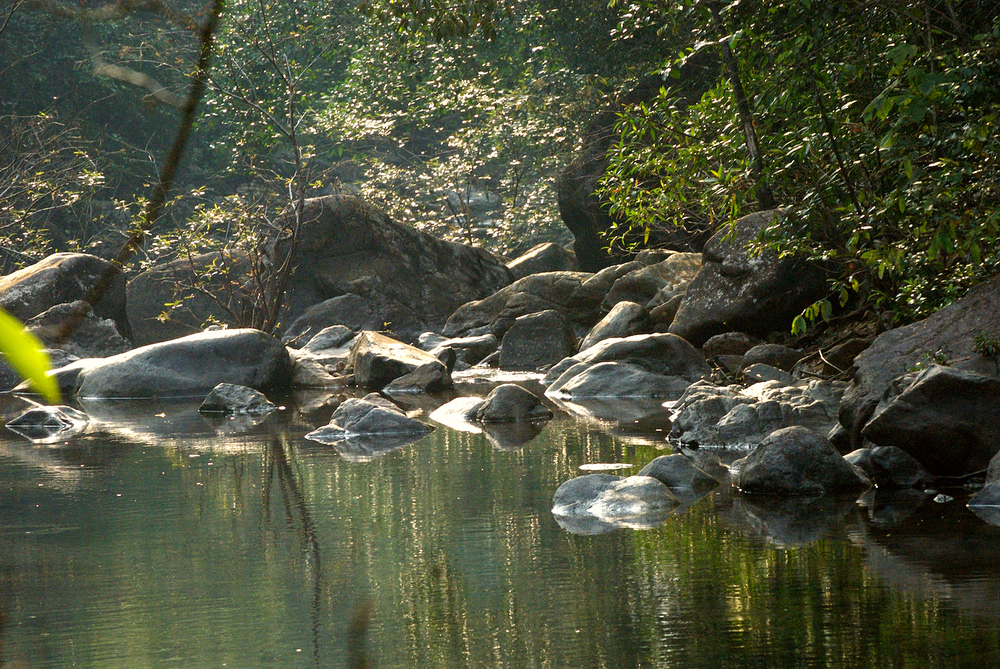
[(26, 354)]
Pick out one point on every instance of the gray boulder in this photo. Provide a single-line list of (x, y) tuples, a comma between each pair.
[(729, 343), (732, 417), (230, 399), (469, 350), (758, 372), (351, 312), (598, 503), (797, 461), (362, 417), (624, 319), (65, 278), (537, 341), (91, 337), (430, 377), (775, 355), (737, 290), (663, 354), (889, 468), (332, 337), (187, 367), (989, 495), (948, 419), (508, 403), (677, 471), (546, 257), (950, 333), (657, 283), (378, 360), (559, 291), (616, 379)]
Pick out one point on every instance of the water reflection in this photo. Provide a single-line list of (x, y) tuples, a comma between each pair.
[(259, 549)]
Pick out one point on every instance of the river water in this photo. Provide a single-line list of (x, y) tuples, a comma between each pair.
[(158, 538)]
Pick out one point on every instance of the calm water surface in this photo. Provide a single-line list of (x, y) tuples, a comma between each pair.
[(161, 539)]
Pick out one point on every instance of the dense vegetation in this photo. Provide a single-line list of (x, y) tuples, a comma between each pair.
[(872, 121)]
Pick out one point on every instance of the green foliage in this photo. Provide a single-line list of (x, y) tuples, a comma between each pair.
[(877, 124), (26, 354)]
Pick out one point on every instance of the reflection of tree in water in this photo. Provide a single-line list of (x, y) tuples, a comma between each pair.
[(279, 468)]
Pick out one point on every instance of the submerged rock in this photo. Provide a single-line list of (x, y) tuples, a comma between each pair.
[(45, 424), (598, 503), (797, 461), (677, 471), (227, 398)]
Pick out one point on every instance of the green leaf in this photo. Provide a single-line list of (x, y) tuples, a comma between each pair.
[(799, 325), (27, 356), (826, 310)]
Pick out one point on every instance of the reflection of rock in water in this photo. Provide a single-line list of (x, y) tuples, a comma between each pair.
[(888, 508), (635, 419), (942, 551), (787, 522), (511, 436), (366, 449)]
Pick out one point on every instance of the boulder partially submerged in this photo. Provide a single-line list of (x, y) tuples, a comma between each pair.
[(597, 503)]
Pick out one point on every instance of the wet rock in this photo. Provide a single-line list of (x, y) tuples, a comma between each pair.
[(729, 343), (508, 403), (546, 257), (536, 341), (948, 419), (677, 471), (775, 355), (91, 336), (638, 502), (187, 367), (737, 290), (559, 291), (889, 467), (227, 398), (65, 278), (736, 418), (361, 417), (797, 461), (624, 319), (950, 333), (615, 379), (377, 360), (45, 424)]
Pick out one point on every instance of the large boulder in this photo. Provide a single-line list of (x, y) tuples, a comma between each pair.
[(377, 360), (508, 403), (663, 354), (62, 278), (411, 280), (625, 319), (363, 417), (546, 257), (187, 367), (163, 304), (656, 283), (797, 461), (951, 333), (91, 337), (739, 290), (732, 417), (948, 419), (586, 214), (537, 341), (560, 291), (616, 379)]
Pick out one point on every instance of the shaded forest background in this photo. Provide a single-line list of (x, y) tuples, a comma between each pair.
[(873, 122)]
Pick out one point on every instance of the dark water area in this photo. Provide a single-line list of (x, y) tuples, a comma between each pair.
[(158, 538)]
